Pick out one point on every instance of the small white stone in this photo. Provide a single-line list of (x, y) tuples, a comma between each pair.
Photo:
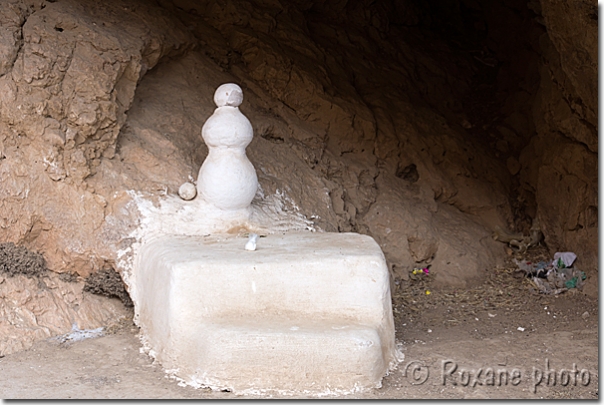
[(251, 243), (187, 191), (521, 329)]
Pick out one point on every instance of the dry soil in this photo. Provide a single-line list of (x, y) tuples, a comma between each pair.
[(457, 344)]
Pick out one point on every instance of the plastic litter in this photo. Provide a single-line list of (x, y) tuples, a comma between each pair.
[(564, 259), (539, 269), (572, 283), (419, 273), (554, 277)]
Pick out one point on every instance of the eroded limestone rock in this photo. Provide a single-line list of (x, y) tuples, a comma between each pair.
[(33, 309)]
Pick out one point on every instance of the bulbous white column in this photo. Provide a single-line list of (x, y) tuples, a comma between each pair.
[(227, 179)]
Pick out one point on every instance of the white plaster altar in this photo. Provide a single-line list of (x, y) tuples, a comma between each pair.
[(305, 312), (288, 312)]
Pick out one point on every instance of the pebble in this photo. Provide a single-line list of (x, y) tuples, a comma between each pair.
[(187, 191), (585, 315), (251, 243)]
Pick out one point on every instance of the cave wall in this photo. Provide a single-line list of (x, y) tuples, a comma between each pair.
[(68, 78), (561, 163), (423, 125)]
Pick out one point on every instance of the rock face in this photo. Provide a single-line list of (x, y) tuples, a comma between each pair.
[(422, 126), (33, 309), (562, 159), (64, 92)]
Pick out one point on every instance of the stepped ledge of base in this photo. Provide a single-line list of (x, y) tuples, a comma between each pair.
[(303, 313)]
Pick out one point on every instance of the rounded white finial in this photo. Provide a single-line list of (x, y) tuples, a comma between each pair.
[(228, 94)]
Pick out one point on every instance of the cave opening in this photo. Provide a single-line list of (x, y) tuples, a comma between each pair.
[(398, 102), (430, 126), (402, 120)]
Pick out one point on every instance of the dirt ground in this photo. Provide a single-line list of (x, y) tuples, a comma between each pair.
[(457, 344)]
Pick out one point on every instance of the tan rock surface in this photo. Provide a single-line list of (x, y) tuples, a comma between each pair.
[(33, 309), (561, 163), (367, 118)]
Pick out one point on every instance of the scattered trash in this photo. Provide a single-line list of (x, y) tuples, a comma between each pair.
[(572, 283), (492, 315), (521, 329), (555, 277), (419, 273), (533, 269), (427, 292), (564, 259)]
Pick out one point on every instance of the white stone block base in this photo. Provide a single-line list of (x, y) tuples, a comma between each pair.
[(304, 313)]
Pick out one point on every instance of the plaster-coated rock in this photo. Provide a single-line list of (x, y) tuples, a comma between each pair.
[(307, 312)]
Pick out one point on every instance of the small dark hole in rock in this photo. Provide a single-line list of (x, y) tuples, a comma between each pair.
[(408, 173), (59, 29)]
